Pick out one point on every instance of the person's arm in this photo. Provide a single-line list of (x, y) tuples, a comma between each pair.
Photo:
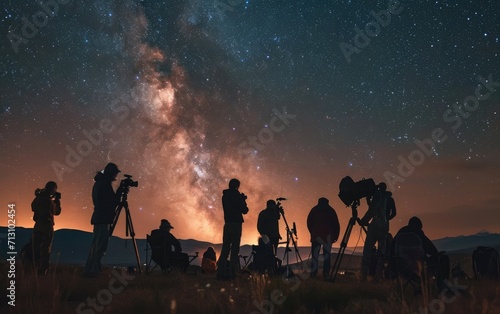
[(243, 204), (260, 224), (429, 247), (365, 221), (310, 220), (56, 207), (173, 241), (391, 208)]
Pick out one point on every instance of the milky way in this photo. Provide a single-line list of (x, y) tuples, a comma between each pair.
[(289, 97)]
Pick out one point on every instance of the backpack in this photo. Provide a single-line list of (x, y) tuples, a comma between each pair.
[(486, 263)]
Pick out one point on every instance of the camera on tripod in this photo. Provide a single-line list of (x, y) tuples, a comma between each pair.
[(351, 192), (279, 208), (128, 182)]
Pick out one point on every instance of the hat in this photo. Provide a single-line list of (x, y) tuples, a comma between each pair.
[(111, 169), (166, 224)]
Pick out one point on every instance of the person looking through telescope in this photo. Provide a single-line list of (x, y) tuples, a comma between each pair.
[(268, 224), (323, 224), (378, 226)]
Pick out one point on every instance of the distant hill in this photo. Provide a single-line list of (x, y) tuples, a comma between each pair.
[(72, 246), (467, 244)]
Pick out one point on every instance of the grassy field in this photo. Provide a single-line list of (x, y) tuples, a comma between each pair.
[(64, 290)]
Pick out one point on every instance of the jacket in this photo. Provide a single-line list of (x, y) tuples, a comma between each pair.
[(105, 200), (268, 223), (234, 205), (323, 224), (44, 208)]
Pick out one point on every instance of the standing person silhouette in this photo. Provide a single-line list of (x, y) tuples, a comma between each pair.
[(105, 201), (234, 206), (45, 206), (323, 224)]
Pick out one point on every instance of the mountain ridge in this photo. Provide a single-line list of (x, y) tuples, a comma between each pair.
[(71, 246)]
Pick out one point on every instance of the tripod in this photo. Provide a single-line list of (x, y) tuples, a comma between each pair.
[(345, 239), (290, 237), (129, 227)]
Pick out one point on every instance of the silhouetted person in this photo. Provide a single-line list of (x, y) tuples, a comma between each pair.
[(390, 208), (46, 205), (163, 238), (105, 201), (268, 224), (323, 224), (209, 261), (378, 228), (438, 264), (234, 205)]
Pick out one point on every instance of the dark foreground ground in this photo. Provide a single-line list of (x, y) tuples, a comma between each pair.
[(64, 290)]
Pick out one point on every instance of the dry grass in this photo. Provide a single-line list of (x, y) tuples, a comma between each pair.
[(64, 289)]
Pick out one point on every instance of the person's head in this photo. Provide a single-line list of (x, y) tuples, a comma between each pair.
[(111, 171), (415, 223), (234, 184), (270, 204), (210, 249), (165, 225), (51, 187), (382, 186), (323, 201)]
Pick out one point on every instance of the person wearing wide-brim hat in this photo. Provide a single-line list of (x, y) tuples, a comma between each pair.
[(165, 224), (162, 237)]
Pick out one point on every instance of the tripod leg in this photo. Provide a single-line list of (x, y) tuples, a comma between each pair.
[(343, 246), (130, 227)]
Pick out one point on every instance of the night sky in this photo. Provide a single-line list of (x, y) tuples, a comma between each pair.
[(287, 96)]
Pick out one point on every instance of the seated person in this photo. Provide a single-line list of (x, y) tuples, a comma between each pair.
[(209, 261), (437, 263), (162, 242), (264, 259)]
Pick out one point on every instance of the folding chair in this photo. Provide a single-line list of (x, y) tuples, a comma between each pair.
[(407, 262), (158, 255)]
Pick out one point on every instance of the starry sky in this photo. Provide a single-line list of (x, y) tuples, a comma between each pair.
[(287, 96)]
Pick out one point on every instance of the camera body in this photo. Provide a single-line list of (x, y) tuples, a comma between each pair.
[(57, 195), (128, 182)]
